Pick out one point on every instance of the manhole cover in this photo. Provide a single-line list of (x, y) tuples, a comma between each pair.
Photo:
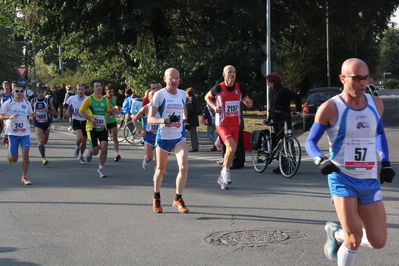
[(251, 237)]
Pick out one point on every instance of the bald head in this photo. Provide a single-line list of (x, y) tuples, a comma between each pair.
[(353, 65)]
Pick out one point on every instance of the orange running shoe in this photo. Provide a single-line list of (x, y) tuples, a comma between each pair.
[(156, 205), (25, 181), (180, 205)]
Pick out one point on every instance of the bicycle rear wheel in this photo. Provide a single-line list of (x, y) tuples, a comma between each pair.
[(129, 132), (121, 128), (289, 158), (260, 159)]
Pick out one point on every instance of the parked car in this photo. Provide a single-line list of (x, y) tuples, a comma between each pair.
[(313, 100), (372, 89)]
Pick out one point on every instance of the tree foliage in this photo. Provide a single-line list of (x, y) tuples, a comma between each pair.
[(390, 53), (10, 55), (134, 41)]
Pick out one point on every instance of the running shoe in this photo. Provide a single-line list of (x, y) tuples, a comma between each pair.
[(44, 161), (222, 184), (226, 176), (220, 161), (89, 156), (144, 164), (180, 205), (100, 173), (156, 205), (76, 153), (5, 141), (117, 158), (25, 181), (81, 160), (331, 247)]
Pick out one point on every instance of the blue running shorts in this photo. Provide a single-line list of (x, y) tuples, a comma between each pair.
[(15, 140), (366, 190), (169, 144)]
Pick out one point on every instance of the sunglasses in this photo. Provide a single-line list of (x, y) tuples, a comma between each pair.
[(357, 77), (21, 91)]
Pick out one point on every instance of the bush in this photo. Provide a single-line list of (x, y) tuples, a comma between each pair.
[(391, 84)]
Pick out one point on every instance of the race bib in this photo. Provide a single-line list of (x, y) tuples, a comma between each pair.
[(359, 154), (76, 112), (100, 121), (41, 116), (232, 108), (18, 127)]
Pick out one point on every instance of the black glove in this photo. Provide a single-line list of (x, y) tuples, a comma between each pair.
[(386, 173), (327, 167), (172, 118)]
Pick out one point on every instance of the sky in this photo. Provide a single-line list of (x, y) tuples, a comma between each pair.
[(396, 18)]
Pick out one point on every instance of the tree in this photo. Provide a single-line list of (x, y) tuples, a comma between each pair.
[(10, 55), (134, 41), (390, 53)]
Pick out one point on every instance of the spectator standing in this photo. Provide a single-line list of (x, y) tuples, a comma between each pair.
[(56, 100), (192, 117), (209, 118), (280, 100), (61, 99)]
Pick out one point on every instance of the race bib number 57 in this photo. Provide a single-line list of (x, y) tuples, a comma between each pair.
[(360, 154)]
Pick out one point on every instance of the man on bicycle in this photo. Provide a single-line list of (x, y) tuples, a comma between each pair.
[(229, 95), (280, 100)]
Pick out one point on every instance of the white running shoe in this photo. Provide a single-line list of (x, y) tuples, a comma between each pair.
[(89, 156), (331, 246), (25, 181), (144, 164), (81, 160), (222, 184), (100, 173), (226, 176)]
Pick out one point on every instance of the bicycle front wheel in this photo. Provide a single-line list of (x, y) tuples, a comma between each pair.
[(289, 158), (129, 132)]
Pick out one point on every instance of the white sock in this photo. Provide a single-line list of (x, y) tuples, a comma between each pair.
[(339, 236), (100, 167), (345, 256)]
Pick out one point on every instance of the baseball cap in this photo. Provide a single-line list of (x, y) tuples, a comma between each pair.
[(40, 90), (6, 82)]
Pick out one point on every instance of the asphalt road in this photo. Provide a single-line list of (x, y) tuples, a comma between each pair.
[(69, 216)]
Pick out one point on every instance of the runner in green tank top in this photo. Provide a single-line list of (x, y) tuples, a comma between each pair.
[(95, 109), (111, 121)]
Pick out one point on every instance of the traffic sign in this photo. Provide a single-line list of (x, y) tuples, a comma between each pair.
[(22, 82), (21, 71)]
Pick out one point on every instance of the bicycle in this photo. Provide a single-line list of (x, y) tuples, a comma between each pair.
[(287, 150), (120, 123)]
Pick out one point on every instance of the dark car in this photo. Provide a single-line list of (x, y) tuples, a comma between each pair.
[(372, 89), (313, 100)]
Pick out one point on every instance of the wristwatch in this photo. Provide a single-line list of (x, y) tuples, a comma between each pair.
[(319, 159)]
